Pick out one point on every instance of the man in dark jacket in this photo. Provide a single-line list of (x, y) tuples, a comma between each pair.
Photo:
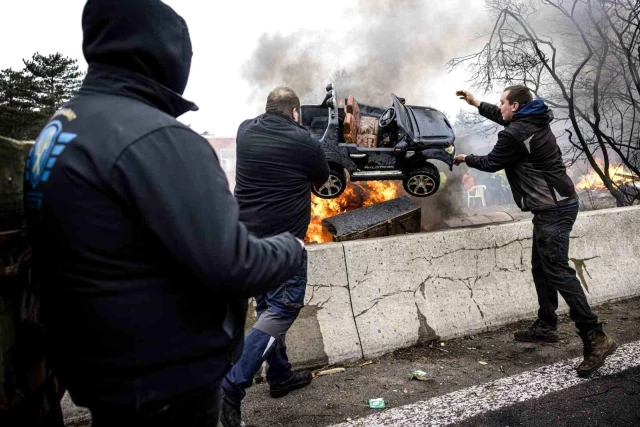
[(143, 264), (277, 162), (528, 152)]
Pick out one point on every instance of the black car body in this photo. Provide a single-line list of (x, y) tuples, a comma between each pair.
[(379, 143)]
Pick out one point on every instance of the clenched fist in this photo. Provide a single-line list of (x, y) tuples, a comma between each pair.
[(468, 96)]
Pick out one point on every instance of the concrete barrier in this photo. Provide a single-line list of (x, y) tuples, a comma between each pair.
[(369, 297), (325, 332)]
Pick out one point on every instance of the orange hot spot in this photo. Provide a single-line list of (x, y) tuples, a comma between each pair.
[(617, 173), (356, 195)]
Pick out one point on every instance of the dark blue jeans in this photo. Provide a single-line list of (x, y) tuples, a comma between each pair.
[(551, 270), (276, 310)]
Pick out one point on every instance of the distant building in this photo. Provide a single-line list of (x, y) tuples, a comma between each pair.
[(225, 149)]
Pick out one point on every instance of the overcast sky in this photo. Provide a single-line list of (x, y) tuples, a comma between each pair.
[(225, 36)]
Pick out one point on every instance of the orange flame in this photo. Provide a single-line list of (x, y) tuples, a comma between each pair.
[(356, 195), (591, 180)]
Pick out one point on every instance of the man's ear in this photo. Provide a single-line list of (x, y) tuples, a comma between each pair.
[(516, 105), (296, 115)]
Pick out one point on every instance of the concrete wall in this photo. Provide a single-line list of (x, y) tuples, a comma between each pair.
[(369, 297)]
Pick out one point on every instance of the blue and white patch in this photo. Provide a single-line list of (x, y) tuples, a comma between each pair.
[(49, 145)]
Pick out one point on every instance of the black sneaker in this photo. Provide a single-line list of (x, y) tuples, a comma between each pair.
[(538, 332), (231, 415), (297, 380)]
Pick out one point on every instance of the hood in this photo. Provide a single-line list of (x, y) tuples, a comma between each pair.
[(142, 36), (423, 125), (536, 107), (432, 126)]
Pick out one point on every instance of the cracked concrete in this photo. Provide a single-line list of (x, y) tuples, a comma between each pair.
[(425, 332), (369, 297), (473, 280), (581, 268), (378, 299), (325, 331)]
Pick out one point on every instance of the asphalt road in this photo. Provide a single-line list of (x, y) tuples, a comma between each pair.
[(487, 379), (608, 401)]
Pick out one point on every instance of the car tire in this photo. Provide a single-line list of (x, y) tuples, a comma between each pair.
[(334, 186), (423, 181)]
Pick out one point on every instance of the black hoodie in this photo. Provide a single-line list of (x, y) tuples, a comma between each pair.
[(143, 265)]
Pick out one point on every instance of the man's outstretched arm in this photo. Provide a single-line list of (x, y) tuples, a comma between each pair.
[(485, 109), (505, 152)]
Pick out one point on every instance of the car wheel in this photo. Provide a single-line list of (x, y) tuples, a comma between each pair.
[(334, 186), (423, 181)]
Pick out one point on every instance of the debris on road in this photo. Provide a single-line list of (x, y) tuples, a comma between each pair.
[(330, 372), (368, 362), (377, 403), (418, 375), (482, 363)]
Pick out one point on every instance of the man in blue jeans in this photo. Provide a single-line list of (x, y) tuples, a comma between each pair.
[(277, 162)]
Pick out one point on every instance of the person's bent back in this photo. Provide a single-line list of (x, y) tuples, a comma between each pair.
[(277, 160), (143, 265)]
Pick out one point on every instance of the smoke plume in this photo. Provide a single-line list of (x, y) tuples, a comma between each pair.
[(398, 46), (391, 46)]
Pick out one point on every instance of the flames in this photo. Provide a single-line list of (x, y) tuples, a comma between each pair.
[(356, 195), (591, 181)]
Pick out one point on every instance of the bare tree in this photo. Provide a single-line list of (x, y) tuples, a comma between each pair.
[(582, 57)]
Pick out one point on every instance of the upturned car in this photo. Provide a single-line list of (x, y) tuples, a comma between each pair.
[(372, 143)]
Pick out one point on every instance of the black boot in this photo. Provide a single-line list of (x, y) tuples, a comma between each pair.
[(231, 415), (297, 380), (597, 346), (538, 332)]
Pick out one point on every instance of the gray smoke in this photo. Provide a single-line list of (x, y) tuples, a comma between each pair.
[(398, 46), (393, 46), (285, 61)]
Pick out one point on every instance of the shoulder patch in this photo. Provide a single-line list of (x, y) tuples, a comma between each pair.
[(50, 144)]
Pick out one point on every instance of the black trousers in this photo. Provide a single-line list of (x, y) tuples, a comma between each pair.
[(195, 409), (552, 273)]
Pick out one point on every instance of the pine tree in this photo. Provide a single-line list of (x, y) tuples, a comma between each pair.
[(19, 118), (56, 77)]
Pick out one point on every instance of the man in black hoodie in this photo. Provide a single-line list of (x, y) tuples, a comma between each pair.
[(528, 152), (144, 267), (277, 162)]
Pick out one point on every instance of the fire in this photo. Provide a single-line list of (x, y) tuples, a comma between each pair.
[(591, 181), (356, 195)]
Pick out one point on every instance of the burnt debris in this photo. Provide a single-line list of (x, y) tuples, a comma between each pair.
[(397, 216)]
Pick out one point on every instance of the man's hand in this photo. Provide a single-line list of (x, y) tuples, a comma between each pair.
[(460, 158), (468, 96)]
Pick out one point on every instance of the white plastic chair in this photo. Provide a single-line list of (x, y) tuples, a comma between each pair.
[(476, 192)]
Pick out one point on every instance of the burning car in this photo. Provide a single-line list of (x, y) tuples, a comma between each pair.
[(631, 191), (379, 143)]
